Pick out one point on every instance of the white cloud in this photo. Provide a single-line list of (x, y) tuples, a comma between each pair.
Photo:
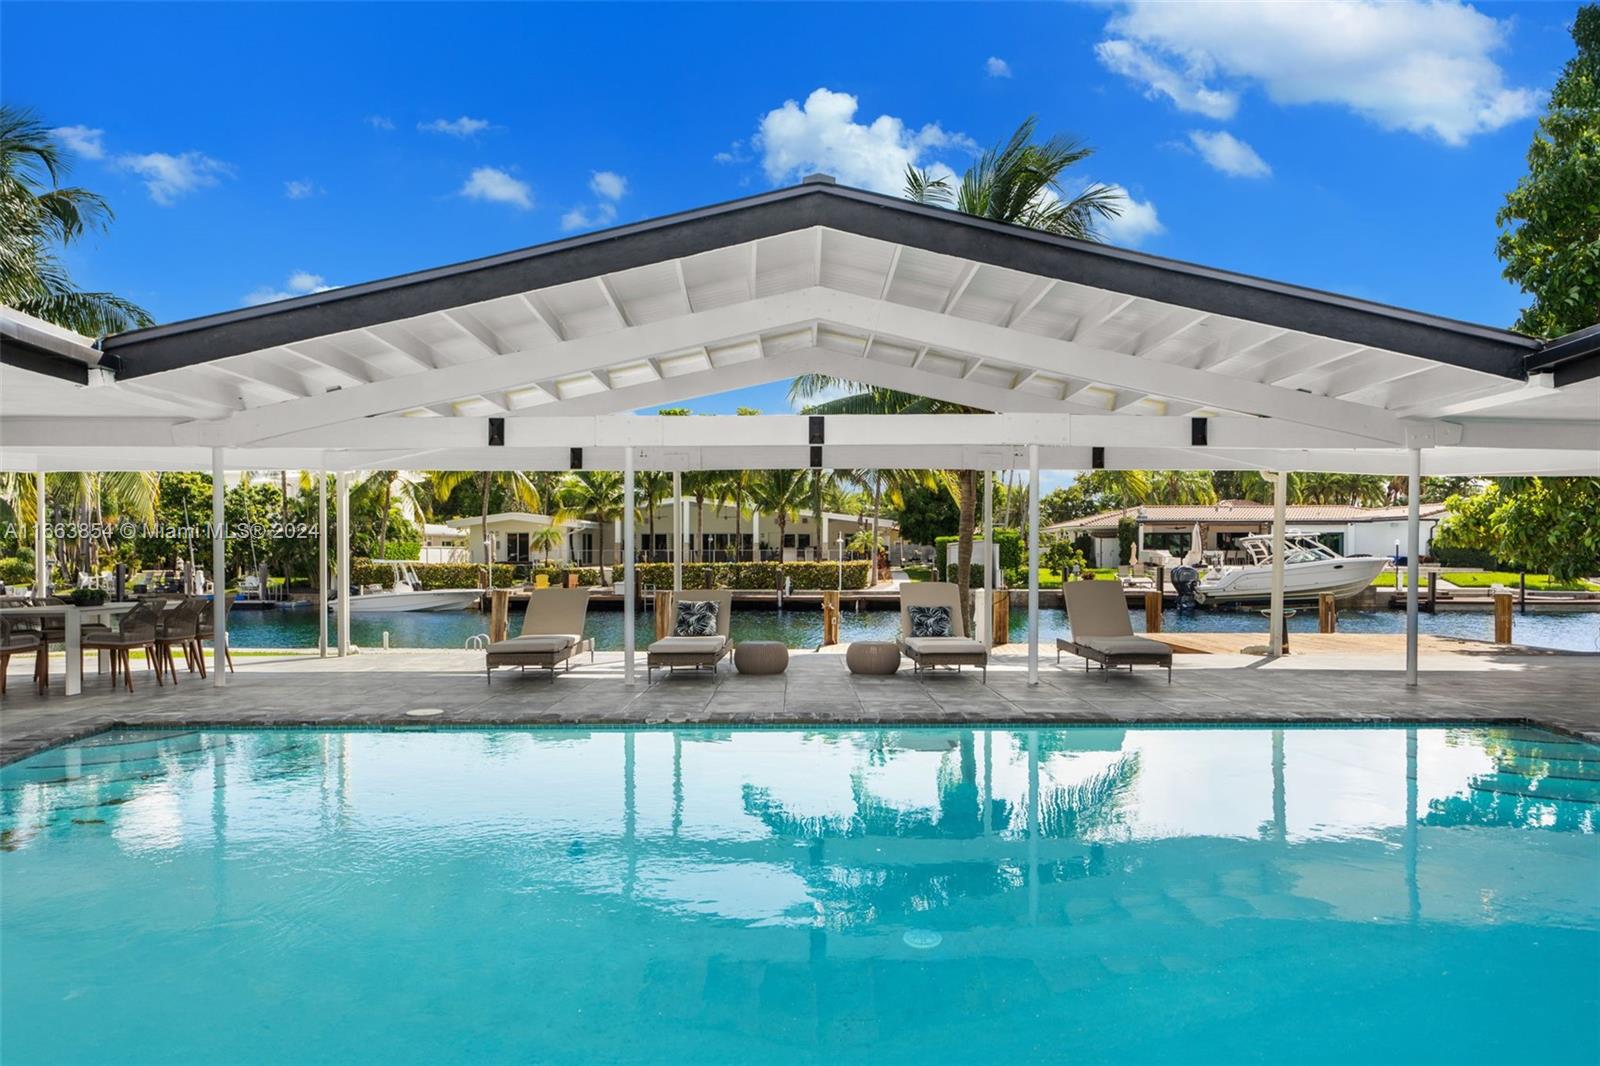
[(582, 218), (1424, 66), (300, 190), (379, 122), (1137, 221), (300, 283), (169, 177), (1183, 88), (497, 186), (455, 127), (608, 185), (997, 67), (1229, 154), (737, 152), (82, 140), (822, 135)]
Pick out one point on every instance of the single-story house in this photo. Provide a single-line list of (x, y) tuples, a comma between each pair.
[(443, 544), (714, 535), (1348, 530), (519, 537)]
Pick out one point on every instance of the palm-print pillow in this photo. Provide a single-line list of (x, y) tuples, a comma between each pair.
[(931, 622), (696, 618)]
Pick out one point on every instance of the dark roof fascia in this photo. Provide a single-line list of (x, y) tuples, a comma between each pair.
[(1573, 358), (804, 206), (37, 360)]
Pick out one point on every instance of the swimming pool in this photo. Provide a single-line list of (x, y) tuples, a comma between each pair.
[(1067, 894)]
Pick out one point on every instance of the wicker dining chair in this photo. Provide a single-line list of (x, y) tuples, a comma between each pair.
[(181, 627), (20, 640), (207, 630), (136, 629)]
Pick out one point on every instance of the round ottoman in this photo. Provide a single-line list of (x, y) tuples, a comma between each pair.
[(872, 657), (760, 657)]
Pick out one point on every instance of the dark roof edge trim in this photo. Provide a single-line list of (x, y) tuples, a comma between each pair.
[(1573, 358), (37, 360), (852, 210)]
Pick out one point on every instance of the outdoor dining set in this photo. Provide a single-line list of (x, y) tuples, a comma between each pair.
[(154, 625)]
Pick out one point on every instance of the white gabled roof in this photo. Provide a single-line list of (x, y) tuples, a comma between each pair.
[(1079, 343)]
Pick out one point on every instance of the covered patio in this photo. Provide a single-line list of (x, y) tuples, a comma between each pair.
[(1084, 357)]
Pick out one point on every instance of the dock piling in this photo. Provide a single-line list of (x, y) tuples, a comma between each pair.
[(1327, 613), (1502, 615)]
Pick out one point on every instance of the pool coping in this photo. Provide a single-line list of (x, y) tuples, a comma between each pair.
[(404, 724)]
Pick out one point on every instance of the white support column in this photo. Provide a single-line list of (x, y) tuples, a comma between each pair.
[(219, 574), (342, 488), (825, 540), (1413, 550), (755, 534), (41, 562), (677, 531), (1033, 564), (985, 615), (1280, 503), (322, 562), (628, 555)]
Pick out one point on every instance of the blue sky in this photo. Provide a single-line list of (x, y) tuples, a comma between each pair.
[(256, 150)]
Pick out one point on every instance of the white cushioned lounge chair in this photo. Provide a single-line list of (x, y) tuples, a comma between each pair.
[(552, 633), (955, 649), (693, 649), (1097, 611)]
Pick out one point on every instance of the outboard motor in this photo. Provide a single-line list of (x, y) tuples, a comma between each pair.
[(1184, 579)]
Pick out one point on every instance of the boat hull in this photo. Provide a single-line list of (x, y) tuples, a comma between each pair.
[(426, 600), (1345, 578)]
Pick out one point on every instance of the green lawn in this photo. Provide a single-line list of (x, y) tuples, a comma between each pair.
[(1482, 580)]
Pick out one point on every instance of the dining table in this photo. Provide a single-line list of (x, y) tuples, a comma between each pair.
[(74, 617)]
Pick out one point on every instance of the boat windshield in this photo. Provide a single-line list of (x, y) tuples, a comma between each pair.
[(1297, 548)]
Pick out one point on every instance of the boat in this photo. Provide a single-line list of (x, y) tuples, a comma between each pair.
[(407, 594), (1310, 568)]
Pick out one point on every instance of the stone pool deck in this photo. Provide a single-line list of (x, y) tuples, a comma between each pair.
[(1560, 691)]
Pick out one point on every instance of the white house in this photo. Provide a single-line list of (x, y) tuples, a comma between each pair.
[(443, 544), (1348, 530), (716, 533), (520, 537)]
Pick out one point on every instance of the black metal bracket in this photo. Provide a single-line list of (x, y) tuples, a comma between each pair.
[(497, 432), (1097, 458), (1197, 432), (576, 462)]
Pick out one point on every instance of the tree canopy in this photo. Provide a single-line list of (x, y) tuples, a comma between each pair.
[(1550, 224)]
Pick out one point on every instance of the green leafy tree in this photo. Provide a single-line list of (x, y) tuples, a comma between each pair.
[(596, 495), (780, 493), (1550, 224), (1537, 525), (38, 217), (927, 514)]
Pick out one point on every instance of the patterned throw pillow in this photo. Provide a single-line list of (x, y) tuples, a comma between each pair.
[(931, 622), (696, 618)]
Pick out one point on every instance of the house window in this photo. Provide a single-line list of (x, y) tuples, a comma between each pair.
[(516, 547), (1333, 540)]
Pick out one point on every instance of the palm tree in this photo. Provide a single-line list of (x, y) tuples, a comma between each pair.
[(381, 488), (546, 540), (1020, 182), (597, 495), (779, 493), (36, 215), (1180, 486), (652, 487), (514, 484), (732, 487)]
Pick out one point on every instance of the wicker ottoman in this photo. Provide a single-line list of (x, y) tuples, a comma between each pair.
[(760, 657), (872, 657)]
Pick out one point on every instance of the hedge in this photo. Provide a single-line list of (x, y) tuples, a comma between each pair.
[(747, 576), (1009, 541), (1472, 558), (466, 575), (758, 576), (16, 571)]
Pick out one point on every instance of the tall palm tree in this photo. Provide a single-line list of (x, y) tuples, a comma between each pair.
[(38, 215), (514, 486), (1021, 182), (1180, 486), (597, 495), (381, 489), (779, 493), (652, 487), (732, 488)]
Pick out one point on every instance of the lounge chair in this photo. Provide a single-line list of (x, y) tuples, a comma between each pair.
[(954, 649), (1097, 611), (552, 633), (687, 649)]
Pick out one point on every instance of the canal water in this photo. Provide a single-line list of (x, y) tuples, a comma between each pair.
[(802, 628)]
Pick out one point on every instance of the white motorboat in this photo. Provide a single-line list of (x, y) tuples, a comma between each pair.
[(1310, 568), (407, 594)]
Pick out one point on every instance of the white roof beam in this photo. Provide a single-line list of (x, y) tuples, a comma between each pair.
[(1113, 305), (547, 318), (336, 359), (402, 340), (473, 327), (1029, 300), (1169, 328), (963, 281), (616, 304)]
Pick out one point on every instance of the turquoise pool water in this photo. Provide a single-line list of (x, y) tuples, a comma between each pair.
[(297, 628), (913, 895)]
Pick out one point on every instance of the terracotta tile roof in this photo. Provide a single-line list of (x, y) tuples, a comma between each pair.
[(1245, 511)]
